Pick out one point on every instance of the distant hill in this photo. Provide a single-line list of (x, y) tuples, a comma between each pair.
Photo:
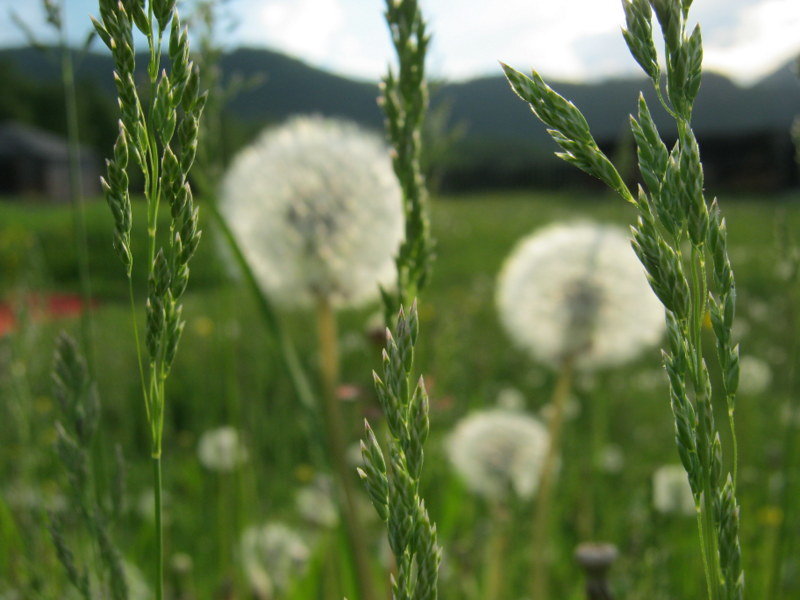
[(497, 125), (288, 85)]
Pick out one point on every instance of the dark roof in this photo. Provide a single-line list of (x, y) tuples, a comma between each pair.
[(18, 139)]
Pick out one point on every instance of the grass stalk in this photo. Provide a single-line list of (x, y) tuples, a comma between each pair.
[(159, 131), (159, 529), (337, 444), (76, 197), (540, 538)]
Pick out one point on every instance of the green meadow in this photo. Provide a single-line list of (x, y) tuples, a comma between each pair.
[(619, 429)]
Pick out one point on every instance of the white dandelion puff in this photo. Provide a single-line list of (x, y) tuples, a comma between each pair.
[(273, 555), (578, 290), (317, 211), (221, 449), (498, 452), (671, 491)]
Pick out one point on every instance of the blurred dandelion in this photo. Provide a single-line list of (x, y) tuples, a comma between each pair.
[(273, 555), (612, 459), (136, 582), (575, 297), (145, 505), (671, 491), (318, 214), (498, 452), (578, 290), (221, 449), (25, 497), (315, 503), (511, 398), (755, 376), (317, 211)]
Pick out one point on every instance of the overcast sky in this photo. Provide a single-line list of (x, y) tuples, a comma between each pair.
[(567, 39)]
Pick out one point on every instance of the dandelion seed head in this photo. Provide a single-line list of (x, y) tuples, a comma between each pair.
[(221, 449), (671, 491), (273, 555), (578, 290), (498, 452), (317, 211)]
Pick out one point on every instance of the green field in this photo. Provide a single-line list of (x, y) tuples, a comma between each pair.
[(228, 372)]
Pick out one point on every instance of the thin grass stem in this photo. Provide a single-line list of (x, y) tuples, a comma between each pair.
[(159, 570), (76, 197), (138, 347)]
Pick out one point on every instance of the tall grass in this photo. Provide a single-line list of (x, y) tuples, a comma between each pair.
[(159, 130), (681, 240)]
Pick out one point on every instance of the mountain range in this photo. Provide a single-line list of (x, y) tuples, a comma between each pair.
[(490, 117)]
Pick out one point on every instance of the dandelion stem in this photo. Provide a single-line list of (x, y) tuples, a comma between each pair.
[(496, 554), (541, 516), (594, 491), (334, 423)]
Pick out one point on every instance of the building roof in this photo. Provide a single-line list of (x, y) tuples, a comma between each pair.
[(18, 139)]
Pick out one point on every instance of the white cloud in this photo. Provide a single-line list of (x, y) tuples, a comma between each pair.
[(306, 28), (572, 39), (473, 38), (580, 39), (765, 35)]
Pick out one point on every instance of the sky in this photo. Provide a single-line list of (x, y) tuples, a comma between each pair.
[(566, 39)]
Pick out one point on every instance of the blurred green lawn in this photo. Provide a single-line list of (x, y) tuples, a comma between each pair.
[(227, 372)]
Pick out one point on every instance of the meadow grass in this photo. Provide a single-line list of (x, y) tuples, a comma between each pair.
[(474, 234)]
